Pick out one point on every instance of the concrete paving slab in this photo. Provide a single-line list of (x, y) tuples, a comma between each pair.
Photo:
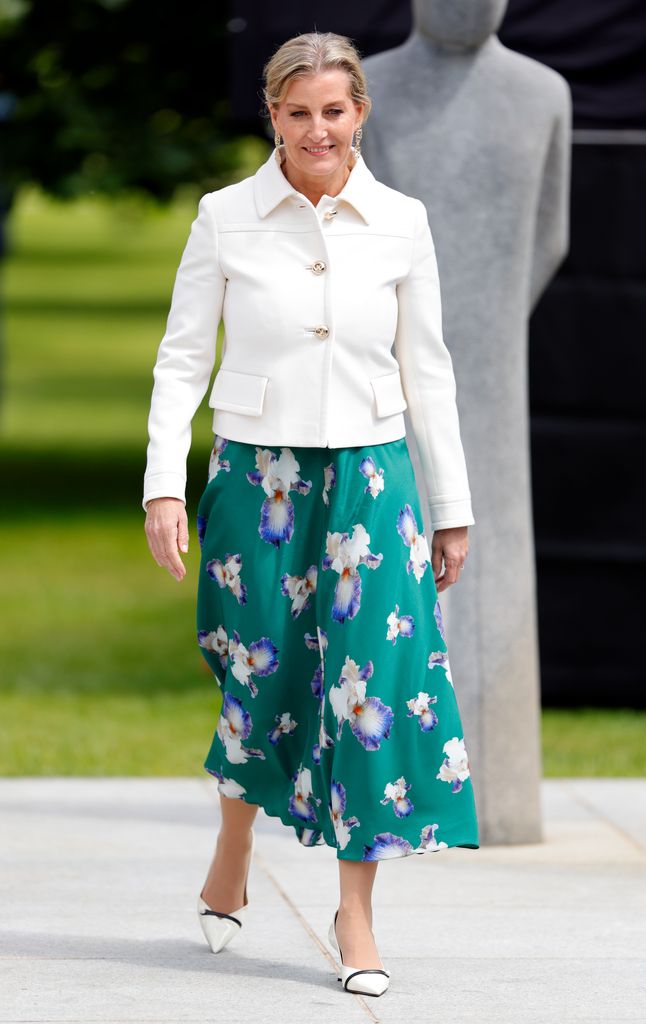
[(99, 879)]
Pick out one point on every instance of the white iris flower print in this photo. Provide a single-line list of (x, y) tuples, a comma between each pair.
[(345, 554), (259, 658), (337, 810), (234, 726), (227, 574), (299, 588), (318, 642), (370, 720), (277, 475), (420, 556), (440, 659), (216, 462), (215, 640), (229, 787), (374, 476), (299, 803), (420, 705), (285, 727), (396, 791), (428, 840), (387, 845), (329, 480), (455, 766), (399, 625), (437, 613)]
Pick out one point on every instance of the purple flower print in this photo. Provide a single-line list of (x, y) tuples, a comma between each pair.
[(259, 658), (229, 787), (374, 476), (227, 574), (396, 791), (387, 846), (427, 840), (216, 462), (437, 613), (440, 659), (370, 720), (345, 554), (319, 642), (234, 726), (216, 641), (277, 475), (329, 480), (201, 528), (337, 810), (299, 588), (455, 766), (299, 803), (420, 705), (399, 625), (420, 556), (285, 727)]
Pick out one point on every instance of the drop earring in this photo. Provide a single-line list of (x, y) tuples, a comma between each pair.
[(277, 142), (357, 144)]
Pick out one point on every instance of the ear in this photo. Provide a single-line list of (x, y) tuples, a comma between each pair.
[(360, 110)]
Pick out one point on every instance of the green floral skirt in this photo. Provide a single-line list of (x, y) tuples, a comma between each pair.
[(318, 613)]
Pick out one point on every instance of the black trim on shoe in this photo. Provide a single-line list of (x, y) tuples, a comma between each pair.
[(366, 970), (217, 913)]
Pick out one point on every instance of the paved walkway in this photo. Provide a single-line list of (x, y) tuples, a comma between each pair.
[(99, 880)]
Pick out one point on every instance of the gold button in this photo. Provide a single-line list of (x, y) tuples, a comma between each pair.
[(322, 331), (329, 214), (318, 267)]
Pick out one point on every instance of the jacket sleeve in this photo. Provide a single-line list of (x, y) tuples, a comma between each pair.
[(429, 383), (185, 358)]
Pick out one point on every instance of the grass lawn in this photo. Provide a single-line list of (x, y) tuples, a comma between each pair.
[(101, 673)]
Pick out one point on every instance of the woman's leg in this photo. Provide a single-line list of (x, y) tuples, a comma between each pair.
[(354, 920), (224, 886)]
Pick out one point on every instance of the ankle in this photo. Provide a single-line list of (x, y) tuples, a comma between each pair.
[(355, 911)]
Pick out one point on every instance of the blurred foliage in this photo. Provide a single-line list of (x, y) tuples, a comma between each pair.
[(115, 96)]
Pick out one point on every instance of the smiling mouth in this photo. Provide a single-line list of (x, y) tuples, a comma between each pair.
[(318, 149)]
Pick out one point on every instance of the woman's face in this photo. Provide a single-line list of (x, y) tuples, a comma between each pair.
[(317, 119)]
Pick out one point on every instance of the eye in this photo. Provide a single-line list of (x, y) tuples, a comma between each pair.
[(335, 110)]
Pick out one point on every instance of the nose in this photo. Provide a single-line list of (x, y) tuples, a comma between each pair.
[(318, 130)]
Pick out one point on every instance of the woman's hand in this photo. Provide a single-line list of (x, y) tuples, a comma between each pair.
[(167, 532), (452, 545)]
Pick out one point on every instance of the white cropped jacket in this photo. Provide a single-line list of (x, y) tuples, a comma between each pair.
[(313, 300)]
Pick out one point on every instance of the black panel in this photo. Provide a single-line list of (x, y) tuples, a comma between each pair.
[(588, 429)]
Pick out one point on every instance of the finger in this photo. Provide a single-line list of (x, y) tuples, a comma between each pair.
[(436, 560), (173, 562), (159, 532), (182, 533), (452, 569), (155, 546)]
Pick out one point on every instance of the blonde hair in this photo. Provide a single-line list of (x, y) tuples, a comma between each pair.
[(309, 54)]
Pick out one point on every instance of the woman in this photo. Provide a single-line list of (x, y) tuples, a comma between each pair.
[(317, 605)]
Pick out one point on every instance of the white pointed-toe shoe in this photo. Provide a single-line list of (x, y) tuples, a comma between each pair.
[(220, 928), (367, 981)]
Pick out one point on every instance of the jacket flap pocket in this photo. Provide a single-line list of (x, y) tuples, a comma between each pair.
[(238, 392), (389, 394)]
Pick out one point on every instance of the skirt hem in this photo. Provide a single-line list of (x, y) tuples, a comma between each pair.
[(316, 837)]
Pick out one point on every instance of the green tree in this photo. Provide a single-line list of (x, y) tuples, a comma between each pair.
[(115, 95)]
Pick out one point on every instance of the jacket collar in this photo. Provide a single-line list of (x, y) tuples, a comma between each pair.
[(271, 187)]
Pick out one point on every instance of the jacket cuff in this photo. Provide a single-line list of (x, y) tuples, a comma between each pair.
[(445, 514), (164, 485)]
